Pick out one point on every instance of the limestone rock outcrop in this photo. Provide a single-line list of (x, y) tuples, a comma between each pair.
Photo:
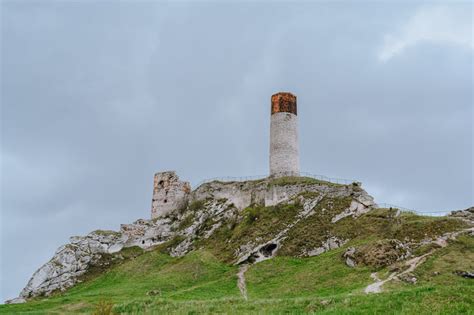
[(73, 260), (467, 214), (331, 243), (70, 262)]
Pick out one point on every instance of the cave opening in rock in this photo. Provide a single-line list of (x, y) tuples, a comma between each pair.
[(268, 249)]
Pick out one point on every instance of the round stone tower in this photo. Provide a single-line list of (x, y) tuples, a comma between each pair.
[(284, 155)]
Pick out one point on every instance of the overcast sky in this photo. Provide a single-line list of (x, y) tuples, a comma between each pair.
[(97, 96)]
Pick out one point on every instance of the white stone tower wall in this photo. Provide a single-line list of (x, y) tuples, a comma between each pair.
[(284, 148), (284, 151)]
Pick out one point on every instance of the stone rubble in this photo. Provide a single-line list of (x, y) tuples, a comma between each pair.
[(362, 204), (349, 256), (465, 274), (331, 243), (467, 214)]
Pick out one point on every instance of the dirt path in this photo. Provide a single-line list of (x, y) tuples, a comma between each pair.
[(308, 210), (244, 266), (241, 280), (413, 263), (376, 287)]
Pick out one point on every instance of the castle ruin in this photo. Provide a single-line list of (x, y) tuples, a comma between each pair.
[(170, 193)]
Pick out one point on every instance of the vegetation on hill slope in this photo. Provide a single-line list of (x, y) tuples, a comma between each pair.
[(199, 283), (205, 279)]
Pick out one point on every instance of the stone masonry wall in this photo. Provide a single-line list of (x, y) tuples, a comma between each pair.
[(169, 193), (284, 151)]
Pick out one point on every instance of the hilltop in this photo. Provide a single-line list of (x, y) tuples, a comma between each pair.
[(290, 244)]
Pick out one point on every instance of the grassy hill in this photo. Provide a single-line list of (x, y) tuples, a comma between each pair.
[(154, 282)]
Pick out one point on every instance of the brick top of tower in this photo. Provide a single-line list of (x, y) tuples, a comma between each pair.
[(283, 102)]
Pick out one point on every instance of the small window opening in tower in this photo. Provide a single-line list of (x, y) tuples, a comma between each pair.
[(161, 183), (165, 201)]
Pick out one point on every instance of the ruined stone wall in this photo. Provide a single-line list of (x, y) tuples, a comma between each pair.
[(169, 193), (284, 149), (244, 194)]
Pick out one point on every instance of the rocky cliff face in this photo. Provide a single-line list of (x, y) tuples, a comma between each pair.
[(71, 261), (241, 222)]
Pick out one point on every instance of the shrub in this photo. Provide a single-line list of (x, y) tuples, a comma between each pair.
[(104, 308), (196, 205)]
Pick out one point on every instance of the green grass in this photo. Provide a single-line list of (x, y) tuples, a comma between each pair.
[(110, 260), (323, 276), (198, 275), (376, 224), (257, 222), (439, 267), (300, 180), (281, 181), (204, 281), (200, 284), (312, 231), (418, 227), (382, 223), (418, 300)]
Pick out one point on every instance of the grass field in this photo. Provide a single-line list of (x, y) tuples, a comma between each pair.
[(199, 283)]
